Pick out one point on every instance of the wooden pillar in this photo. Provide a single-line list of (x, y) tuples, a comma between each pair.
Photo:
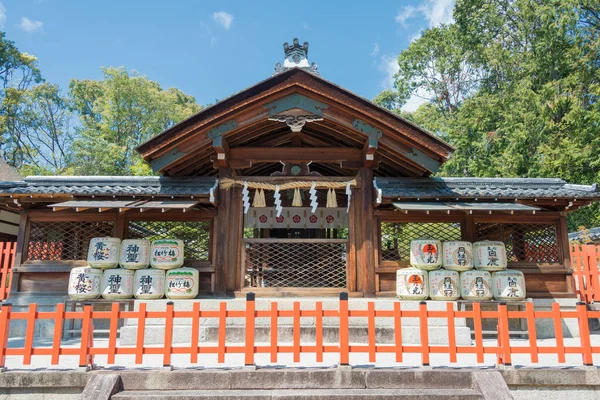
[(228, 235), (364, 233), (564, 251)]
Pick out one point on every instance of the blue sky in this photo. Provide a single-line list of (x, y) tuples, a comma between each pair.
[(212, 49)]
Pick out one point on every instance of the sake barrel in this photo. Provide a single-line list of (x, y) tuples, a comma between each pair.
[(508, 285), (458, 256), (444, 285), (135, 253), (425, 254), (167, 253), (182, 283), (84, 283), (149, 284), (489, 255), (117, 283), (476, 285), (412, 284), (104, 252)]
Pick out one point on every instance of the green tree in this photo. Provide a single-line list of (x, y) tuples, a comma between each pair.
[(118, 113)]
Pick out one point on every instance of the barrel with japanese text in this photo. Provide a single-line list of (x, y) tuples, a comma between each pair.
[(103, 252), (476, 285), (117, 284), (84, 283), (458, 255), (149, 284), (508, 285), (412, 284), (444, 285), (489, 255), (167, 254), (182, 283), (135, 253), (425, 254)]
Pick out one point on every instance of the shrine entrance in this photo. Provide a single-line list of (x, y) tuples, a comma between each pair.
[(298, 247)]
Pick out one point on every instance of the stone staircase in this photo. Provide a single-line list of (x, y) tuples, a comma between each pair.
[(154, 331), (309, 384)]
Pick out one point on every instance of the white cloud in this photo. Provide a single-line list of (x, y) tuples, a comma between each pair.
[(375, 50), (436, 12), (389, 67), (415, 101), (223, 18), (2, 15), (208, 33), (31, 26)]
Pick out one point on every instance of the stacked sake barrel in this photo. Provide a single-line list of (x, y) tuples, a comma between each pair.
[(119, 270), (445, 272)]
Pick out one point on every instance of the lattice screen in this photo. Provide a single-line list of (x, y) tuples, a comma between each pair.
[(195, 235), (531, 243), (295, 264), (65, 240), (396, 236)]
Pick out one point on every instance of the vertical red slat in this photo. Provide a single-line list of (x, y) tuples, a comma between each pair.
[(59, 320), (141, 328), (584, 333), (274, 327), (344, 343), (86, 330), (558, 332), (319, 330), (4, 273), (424, 331), (477, 325), (112, 334), (11, 263), (195, 332), (250, 315), (398, 331), (504, 334), (532, 332), (296, 332), (5, 312), (594, 275), (451, 332), (29, 333), (222, 332), (168, 343), (371, 330)]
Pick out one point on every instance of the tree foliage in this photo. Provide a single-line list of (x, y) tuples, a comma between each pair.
[(514, 86)]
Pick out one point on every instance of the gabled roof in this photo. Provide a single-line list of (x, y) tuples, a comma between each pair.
[(110, 186), (497, 188), (396, 129)]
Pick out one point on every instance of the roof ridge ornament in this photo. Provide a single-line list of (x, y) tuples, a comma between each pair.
[(296, 56)]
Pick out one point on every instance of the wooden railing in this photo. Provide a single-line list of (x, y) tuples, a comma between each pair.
[(585, 261), (7, 259), (504, 348)]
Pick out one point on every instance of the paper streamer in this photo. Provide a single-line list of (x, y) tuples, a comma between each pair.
[(277, 198), (313, 197), (246, 198), (349, 194)]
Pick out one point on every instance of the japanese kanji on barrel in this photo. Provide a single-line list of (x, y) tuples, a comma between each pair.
[(135, 253), (167, 253), (444, 285), (182, 283), (508, 285), (149, 284), (458, 256), (412, 284), (425, 254), (476, 285), (84, 283), (489, 255), (103, 252), (117, 283)]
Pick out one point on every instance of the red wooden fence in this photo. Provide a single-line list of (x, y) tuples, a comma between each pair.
[(7, 259), (503, 348), (585, 260)]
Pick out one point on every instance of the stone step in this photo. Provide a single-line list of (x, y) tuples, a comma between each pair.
[(154, 334), (303, 394)]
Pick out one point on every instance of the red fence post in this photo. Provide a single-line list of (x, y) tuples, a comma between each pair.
[(424, 331), (503, 335), (451, 331), (398, 331), (558, 332), (274, 318), (250, 314), (371, 331), (195, 332), (584, 333), (86, 332), (112, 335), (478, 327), (168, 343), (59, 321), (141, 329), (319, 330), (29, 333), (5, 312), (222, 332), (531, 331), (296, 329), (344, 342)]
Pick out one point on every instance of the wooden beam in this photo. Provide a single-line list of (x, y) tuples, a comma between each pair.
[(296, 154), (222, 149)]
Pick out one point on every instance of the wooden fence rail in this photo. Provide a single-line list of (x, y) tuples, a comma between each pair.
[(504, 348)]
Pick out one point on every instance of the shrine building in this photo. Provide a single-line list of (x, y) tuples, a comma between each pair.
[(292, 187)]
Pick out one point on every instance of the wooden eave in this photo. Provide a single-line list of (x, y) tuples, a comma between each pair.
[(247, 107)]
